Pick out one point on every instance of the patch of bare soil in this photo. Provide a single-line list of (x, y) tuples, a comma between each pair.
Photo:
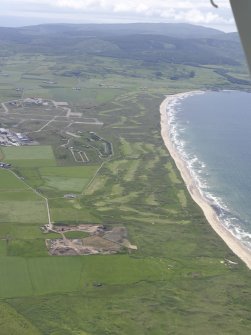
[(100, 241), (87, 228)]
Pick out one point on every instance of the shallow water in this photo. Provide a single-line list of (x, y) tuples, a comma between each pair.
[(212, 132)]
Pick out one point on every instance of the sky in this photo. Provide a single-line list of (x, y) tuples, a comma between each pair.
[(28, 12)]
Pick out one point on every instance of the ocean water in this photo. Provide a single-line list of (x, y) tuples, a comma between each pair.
[(212, 132)]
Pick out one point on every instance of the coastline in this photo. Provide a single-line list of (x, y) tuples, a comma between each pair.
[(233, 243)]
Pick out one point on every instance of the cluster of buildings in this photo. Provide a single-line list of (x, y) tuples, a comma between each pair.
[(5, 165), (10, 138), (49, 82), (35, 101)]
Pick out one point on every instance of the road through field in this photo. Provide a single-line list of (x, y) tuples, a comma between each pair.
[(5, 108), (40, 195)]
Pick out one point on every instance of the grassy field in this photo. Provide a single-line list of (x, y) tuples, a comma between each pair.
[(23, 211), (9, 182), (23, 231), (177, 281), (43, 275), (29, 152), (14, 323), (18, 203), (71, 179), (32, 156)]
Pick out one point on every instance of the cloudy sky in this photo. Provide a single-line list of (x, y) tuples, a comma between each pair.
[(201, 12)]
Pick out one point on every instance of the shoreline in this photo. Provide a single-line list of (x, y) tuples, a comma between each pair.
[(233, 243)]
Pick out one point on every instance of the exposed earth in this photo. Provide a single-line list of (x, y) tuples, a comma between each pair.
[(100, 241)]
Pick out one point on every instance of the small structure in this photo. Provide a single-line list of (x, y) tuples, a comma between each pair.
[(33, 101), (3, 131), (5, 165), (70, 196)]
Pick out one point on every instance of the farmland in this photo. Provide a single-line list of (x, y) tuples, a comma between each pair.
[(98, 158)]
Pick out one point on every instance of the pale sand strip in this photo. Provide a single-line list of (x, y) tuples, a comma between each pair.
[(234, 244)]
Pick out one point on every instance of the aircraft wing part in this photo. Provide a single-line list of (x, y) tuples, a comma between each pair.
[(242, 14)]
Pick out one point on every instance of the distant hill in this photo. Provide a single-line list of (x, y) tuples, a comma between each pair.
[(180, 30), (160, 42)]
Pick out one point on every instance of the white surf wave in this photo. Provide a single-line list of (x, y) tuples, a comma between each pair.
[(198, 171)]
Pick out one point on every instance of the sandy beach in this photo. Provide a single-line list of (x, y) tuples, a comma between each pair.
[(233, 243)]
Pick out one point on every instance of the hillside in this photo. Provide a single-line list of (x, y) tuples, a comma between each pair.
[(168, 43)]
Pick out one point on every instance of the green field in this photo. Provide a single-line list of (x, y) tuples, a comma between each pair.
[(14, 323), (44, 275), (30, 156), (29, 152), (18, 202), (69, 172), (65, 184), (23, 231), (18, 194), (9, 182), (71, 179), (71, 212), (23, 212)]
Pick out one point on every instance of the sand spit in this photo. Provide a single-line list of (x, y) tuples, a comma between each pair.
[(233, 243)]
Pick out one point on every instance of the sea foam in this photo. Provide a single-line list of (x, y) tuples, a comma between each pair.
[(199, 172)]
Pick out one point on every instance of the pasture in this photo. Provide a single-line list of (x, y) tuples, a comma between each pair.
[(18, 202), (64, 184), (9, 182), (44, 275), (14, 323), (28, 152), (71, 212), (23, 231), (29, 156), (23, 212), (67, 179)]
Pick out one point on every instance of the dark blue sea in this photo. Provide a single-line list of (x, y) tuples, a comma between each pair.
[(212, 132)]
